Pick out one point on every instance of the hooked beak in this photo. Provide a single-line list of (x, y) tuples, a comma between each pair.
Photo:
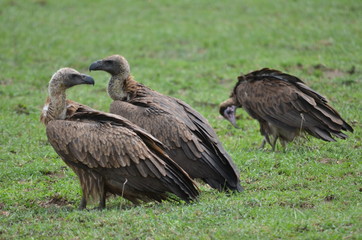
[(87, 79), (229, 114), (97, 65)]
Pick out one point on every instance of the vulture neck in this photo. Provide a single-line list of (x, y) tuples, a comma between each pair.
[(57, 107), (121, 87)]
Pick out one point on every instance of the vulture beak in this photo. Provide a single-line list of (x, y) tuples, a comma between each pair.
[(97, 65), (229, 114), (78, 79), (87, 79)]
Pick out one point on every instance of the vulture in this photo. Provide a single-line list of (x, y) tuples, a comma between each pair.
[(284, 106), (109, 154), (189, 138)]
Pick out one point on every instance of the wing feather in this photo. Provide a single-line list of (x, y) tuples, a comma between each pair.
[(179, 126), (86, 145)]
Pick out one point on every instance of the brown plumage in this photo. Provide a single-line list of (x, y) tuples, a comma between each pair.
[(108, 153), (284, 107), (189, 138)]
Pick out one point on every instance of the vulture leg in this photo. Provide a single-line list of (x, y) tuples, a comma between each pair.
[(265, 140), (102, 201), (83, 203), (263, 143), (284, 144), (273, 144), (264, 131)]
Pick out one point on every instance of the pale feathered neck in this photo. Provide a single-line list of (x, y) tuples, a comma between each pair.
[(55, 107), (120, 86)]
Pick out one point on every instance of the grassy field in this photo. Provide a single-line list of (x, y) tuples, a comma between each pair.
[(193, 50)]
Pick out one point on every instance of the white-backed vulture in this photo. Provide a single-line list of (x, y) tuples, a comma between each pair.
[(189, 138), (109, 154), (284, 106)]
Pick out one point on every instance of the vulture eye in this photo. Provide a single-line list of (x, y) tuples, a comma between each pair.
[(74, 75), (108, 61)]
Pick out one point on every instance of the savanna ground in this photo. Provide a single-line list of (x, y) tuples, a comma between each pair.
[(192, 50)]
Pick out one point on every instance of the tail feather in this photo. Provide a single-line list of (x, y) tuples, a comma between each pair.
[(347, 127), (326, 122), (332, 115), (180, 184), (321, 134), (226, 179)]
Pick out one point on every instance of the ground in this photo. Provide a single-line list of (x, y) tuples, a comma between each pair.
[(192, 50)]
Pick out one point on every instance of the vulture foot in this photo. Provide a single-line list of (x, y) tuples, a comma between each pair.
[(262, 144), (83, 203)]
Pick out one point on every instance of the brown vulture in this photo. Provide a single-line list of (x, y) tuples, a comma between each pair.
[(189, 138), (109, 154), (284, 107)]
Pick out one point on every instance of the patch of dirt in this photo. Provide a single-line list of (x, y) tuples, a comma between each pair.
[(56, 200), (329, 161), (325, 42), (253, 203), (6, 82), (313, 178), (304, 205), (327, 72), (12, 3), (349, 82), (302, 229), (276, 166), (351, 174), (21, 109), (330, 198), (5, 213), (233, 65), (352, 70), (22, 181), (323, 227), (42, 3), (52, 173), (43, 142), (250, 180)]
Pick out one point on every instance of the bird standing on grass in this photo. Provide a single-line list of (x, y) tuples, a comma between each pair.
[(189, 138), (108, 153), (285, 107)]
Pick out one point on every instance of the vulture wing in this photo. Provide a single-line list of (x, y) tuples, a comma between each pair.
[(289, 104), (130, 161), (191, 141), (72, 107)]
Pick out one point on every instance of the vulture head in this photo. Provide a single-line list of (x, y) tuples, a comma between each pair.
[(55, 105), (227, 109), (66, 78), (114, 65)]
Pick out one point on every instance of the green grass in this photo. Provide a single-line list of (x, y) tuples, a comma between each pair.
[(193, 50)]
